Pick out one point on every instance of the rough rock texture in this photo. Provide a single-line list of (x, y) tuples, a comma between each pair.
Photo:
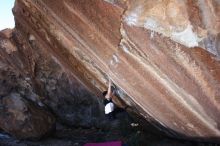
[(24, 120), (157, 52), (191, 23), (35, 74)]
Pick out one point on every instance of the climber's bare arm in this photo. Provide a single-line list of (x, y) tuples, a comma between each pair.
[(109, 93)]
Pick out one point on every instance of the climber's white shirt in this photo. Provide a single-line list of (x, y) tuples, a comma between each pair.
[(109, 108)]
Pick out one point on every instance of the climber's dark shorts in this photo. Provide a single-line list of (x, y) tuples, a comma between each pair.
[(110, 116)]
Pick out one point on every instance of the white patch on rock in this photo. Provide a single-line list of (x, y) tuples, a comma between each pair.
[(132, 18), (110, 1), (111, 62), (31, 37), (150, 23), (187, 37), (115, 58), (125, 49), (151, 34)]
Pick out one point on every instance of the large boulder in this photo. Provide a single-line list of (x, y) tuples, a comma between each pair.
[(161, 55), (23, 119)]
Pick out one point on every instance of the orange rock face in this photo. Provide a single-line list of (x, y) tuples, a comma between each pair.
[(162, 55)]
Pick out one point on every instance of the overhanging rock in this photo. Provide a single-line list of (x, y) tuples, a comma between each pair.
[(143, 46)]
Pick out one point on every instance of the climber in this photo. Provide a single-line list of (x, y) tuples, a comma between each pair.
[(111, 110), (109, 105)]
